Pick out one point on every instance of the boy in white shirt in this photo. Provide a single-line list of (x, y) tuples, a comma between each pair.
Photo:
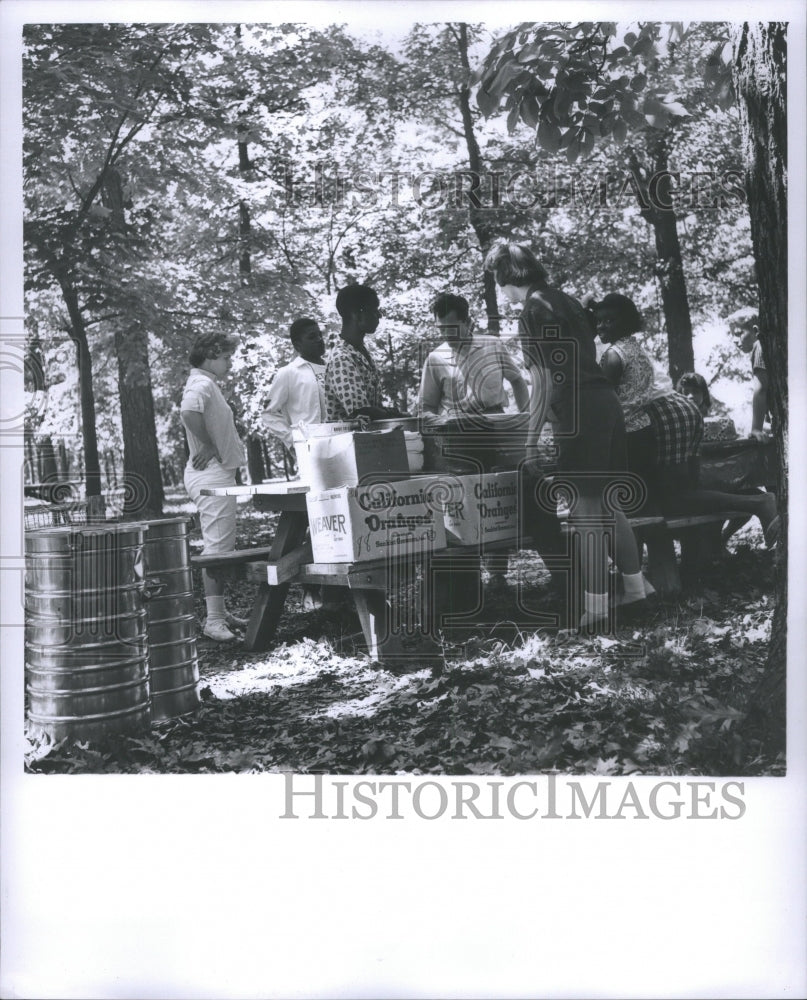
[(296, 394), (216, 452)]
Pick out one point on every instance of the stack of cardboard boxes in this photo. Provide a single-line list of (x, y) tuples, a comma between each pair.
[(363, 505)]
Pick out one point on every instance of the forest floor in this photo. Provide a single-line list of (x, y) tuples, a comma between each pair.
[(663, 697)]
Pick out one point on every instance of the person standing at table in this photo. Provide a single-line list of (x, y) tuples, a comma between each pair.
[(297, 395), (570, 389), (216, 451), (352, 381), (466, 373)]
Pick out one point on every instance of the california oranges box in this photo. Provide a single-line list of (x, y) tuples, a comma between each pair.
[(358, 523), (478, 508)]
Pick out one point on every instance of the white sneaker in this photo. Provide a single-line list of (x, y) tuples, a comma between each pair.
[(218, 631)]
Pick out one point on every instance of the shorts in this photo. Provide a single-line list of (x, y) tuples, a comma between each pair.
[(590, 438), (216, 514)]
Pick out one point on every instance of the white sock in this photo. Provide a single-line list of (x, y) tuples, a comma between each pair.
[(596, 604), (215, 608), (634, 587), (596, 607)]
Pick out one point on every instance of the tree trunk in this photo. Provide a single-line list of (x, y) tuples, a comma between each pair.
[(255, 464), (669, 266), (477, 215), (759, 76), (142, 480), (31, 466), (48, 470), (244, 230), (78, 334)]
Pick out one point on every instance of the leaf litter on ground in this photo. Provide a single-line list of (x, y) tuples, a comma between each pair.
[(662, 698)]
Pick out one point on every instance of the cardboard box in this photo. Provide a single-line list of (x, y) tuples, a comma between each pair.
[(348, 459), (358, 523), (479, 508)]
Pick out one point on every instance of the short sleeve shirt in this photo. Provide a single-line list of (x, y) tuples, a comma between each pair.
[(351, 381), (474, 374), (203, 395), (757, 361), (640, 382)]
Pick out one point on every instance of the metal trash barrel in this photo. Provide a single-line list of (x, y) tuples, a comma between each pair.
[(86, 651), (171, 621)]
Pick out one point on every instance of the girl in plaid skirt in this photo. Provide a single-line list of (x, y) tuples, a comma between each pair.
[(665, 428)]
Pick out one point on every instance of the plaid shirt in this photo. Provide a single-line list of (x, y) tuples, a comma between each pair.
[(351, 381), (678, 427)]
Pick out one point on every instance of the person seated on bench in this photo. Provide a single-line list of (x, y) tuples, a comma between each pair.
[(557, 340), (666, 427), (715, 428), (216, 451), (694, 385)]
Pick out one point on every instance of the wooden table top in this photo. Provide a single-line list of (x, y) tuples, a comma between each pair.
[(272, 487)]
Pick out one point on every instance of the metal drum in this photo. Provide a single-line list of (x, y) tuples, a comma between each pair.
[(86, 652), (171, 621)]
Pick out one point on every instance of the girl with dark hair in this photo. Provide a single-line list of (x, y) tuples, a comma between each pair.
[(693, 385), (665, 428)]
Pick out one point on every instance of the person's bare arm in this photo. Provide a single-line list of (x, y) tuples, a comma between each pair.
[(539, 407), (521, 392), (195, 422), (612, 367), (430, 395), (759, 402)]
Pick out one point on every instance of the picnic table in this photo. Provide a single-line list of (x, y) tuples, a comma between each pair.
[(290, 560), (287, 551)]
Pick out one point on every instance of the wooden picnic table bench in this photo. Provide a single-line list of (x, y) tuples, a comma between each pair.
[(288, 497), (289, 560)]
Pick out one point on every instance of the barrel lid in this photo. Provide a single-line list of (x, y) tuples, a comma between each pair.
[(100, 528), (159, 522), (63, 539)]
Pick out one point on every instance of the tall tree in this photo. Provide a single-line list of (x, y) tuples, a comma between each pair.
[(579, 84), (759, 73), (90, 91)]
